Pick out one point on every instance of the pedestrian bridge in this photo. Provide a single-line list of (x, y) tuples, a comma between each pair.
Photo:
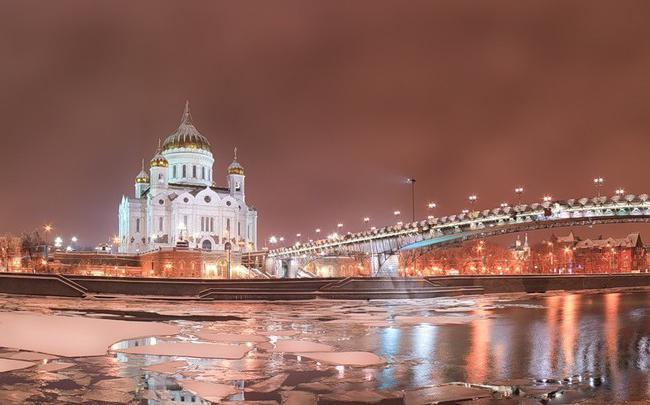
[(382, 244)]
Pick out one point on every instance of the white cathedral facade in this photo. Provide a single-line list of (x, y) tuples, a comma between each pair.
[(177, 204)]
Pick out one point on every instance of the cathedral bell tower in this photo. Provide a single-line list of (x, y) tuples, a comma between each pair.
[(158, 171), (236, 179)]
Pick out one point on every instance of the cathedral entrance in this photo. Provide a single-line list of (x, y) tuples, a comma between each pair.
[(206, 245)]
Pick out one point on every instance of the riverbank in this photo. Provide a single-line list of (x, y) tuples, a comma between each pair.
[(306, 289)]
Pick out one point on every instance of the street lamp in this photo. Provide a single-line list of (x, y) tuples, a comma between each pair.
[(547, 198), (412, 181), (317, 233), (47, 228), (598, 182), (518, 192), (472, 199), (504, 204), (431, 206), (620, 191), (397, 214)]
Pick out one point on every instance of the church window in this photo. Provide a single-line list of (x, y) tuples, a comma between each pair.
[(186, 200), (211, 224), (161, 179), (207, 199), (185, 221), (194, 171), (203, 172), (228, 224), (202, 224), (184, 171), (137, 224), (238, 228), (161, 202), (174, 171), (228, 203), (160, 224), (237, 187)]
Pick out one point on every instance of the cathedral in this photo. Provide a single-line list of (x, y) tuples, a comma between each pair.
[(178, 205)]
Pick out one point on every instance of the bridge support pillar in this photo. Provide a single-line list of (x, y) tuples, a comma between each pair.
[(292, 268)]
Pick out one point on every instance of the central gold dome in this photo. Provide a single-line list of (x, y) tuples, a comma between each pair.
[(186, 136)]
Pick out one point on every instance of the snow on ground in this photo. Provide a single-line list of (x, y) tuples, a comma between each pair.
[(9, 365), (298, 346), (357, 359), (200, 350), (72, 336)]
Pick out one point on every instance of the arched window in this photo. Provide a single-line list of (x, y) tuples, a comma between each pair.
[(206, 245), (137, 224), (184, 171), (194, 171), (174, 171), (203, 172)]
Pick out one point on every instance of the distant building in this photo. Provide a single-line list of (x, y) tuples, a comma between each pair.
[(521, 250), (177, 203), (622, 255)]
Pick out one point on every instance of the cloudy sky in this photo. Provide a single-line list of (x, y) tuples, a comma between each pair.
[(332, 104)]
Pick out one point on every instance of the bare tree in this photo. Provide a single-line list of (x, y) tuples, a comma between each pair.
[(29, 245)]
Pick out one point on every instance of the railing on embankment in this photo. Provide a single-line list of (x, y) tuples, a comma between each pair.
[(302, 289)]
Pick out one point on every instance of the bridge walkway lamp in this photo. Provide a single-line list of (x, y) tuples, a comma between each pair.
[(598, 182), (412, 182), (620, 191), (518, 192), (430, 207)]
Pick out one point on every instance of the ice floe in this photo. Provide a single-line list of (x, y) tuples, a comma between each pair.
[(169, 367), (270, 384), (10, 365), (209, 391), (299, 346), (357, 359), (213, 336), (359, 396), (72, 336), (200, 350), (298, 398)]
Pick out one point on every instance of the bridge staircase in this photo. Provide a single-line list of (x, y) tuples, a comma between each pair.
[(83, 291)]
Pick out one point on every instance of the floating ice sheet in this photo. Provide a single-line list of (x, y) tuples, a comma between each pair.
[(72, 336), (357, 359), (200, 350), (10, 365), (299, 346), (209, 391)]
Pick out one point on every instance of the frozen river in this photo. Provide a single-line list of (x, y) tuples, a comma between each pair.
[(564, 347)]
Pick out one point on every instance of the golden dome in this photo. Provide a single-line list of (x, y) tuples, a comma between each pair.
[(235, 167), (159, 160), (142, 177), (186, 136)]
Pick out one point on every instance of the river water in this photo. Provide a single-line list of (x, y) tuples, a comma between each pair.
[(586, 347)]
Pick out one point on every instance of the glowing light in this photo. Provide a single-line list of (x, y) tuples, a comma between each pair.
[(432, 205)]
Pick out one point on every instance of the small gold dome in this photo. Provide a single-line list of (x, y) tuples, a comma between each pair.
[(235, 167), (159, 161), (142, 177)]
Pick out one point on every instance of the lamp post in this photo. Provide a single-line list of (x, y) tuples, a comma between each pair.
[(412, 181), (430, 207), (620, 192), (598, 182), (47, 228), (518, 192)]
